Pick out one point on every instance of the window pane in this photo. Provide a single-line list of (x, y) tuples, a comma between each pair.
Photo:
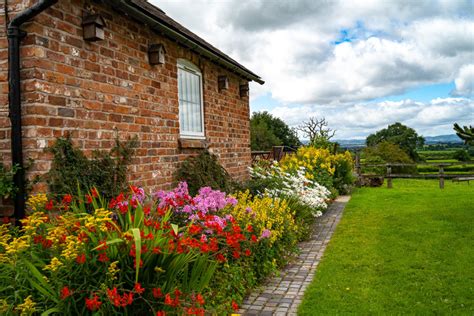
[(189, 92)]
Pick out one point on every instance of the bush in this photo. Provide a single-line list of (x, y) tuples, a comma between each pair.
[(204, 170), (7, 187), (462, 155), (386, 152), (106, 171), (334, 171)]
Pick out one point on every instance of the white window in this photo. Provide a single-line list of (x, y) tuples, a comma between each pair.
[(191, 114)]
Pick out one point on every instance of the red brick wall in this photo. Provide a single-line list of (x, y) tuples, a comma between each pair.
[(89, 90)]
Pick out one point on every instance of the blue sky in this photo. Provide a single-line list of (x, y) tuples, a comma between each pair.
[(360, 64)]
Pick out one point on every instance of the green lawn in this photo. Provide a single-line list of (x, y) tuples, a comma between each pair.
[(406, 250)]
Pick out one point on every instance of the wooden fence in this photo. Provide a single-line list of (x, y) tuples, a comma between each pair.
[(389, 175), (277, 153)]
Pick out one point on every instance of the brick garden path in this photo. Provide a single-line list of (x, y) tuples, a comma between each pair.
[(282, 294)]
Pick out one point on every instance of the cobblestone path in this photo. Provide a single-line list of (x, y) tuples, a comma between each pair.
[(282, 294)]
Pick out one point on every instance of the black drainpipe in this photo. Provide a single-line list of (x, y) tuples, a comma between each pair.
[(15, 34)]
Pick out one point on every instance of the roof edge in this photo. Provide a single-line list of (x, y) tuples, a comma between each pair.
[(131, 9)]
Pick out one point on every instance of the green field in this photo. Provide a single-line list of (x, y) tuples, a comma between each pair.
[(406, 250)]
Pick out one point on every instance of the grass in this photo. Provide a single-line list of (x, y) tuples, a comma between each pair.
[(406, 250)]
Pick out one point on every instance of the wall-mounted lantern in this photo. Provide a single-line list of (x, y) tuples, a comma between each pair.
[(93, 26), (244, 90), (223, 82), (156, 54)]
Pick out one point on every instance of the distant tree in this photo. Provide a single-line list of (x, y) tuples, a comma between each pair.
[(462, 155), (387, 152), (267, 131), (317, 131), (465, 133), (403, 136)]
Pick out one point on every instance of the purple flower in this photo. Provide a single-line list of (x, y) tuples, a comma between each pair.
[(266, 234)]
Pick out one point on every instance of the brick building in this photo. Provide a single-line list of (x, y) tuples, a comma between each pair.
[(149, 76)]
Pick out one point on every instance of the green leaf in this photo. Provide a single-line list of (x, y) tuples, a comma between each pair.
[(50, 311), (110, 242), (138, 250), (175, 228)]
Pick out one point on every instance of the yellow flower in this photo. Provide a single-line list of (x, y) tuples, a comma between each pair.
[(113, 270), (54, 265), (36, 202), (27, 307)]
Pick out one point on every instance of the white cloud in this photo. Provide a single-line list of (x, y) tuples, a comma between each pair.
[(393, 46), (465, 81), (357, 120)]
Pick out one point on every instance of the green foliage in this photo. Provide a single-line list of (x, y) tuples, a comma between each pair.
[(462, 155), (387, 152), (267, 131), (465, 133), (204, 170), (107, 171), (402, 251), (403, 136), (7, 187)]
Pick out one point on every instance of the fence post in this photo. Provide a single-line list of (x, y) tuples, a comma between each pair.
[(441, 176), (357, 164), (389, 176), (277, 152)]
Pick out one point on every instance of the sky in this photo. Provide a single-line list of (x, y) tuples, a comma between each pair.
[(360, 64)]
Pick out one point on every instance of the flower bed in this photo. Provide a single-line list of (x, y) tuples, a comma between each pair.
[(165, 253)]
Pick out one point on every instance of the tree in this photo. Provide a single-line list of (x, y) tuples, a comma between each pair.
[(267, 131), (401, 135), (387, 152), (317, 131), (465, 133)]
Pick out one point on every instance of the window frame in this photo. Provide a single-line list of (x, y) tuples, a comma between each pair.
[(185, 65)]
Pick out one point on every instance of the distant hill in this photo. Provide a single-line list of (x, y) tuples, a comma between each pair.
[(429, 140), (452, 138)]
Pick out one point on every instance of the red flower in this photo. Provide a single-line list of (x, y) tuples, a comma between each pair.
[(248, 252), (127, 299), (160, 313), (94, 192), (157, 293), (254, 238), (88, 199), (67, 199), (138, 288), (200, 299), (168, 300), (156, 250), (235, 307), (236, 254), (220, 257), (65, 292), (194, 229), (249, 228), (114, 297), (103, 257), (93, 304), (49, 206)]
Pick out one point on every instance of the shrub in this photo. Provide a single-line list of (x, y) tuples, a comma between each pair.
[(7, 187), (386, 152), (204, 170), (284, 185), (323, 167), (462, 155), (106, 171)]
